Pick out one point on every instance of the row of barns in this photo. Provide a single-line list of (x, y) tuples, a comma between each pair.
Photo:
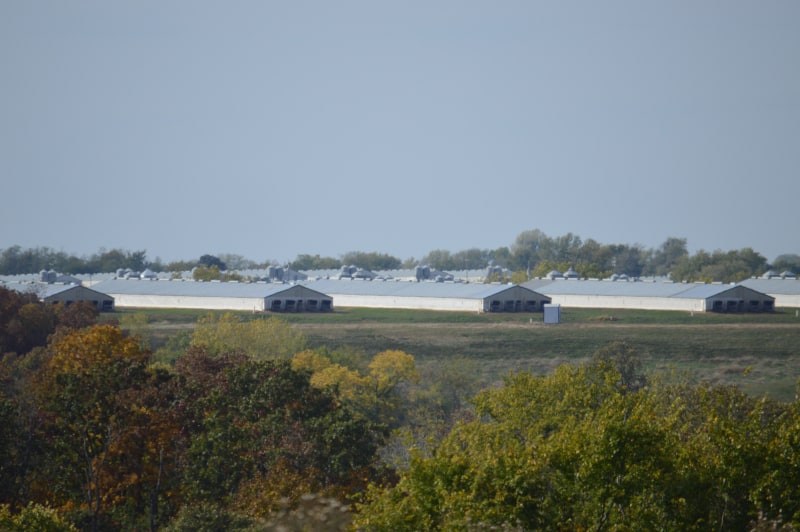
[(321, 294), (690, 297)]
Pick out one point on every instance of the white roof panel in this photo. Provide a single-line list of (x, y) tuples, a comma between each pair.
[(788, 287), (630, 288), (192, 288), (408, 288)]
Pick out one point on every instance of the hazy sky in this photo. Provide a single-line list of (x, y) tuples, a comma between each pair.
[(270, 129)]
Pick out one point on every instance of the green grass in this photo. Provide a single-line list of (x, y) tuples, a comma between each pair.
[(569, 316), (672, 317), (759, 352)]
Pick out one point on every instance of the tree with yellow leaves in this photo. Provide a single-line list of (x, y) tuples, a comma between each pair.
[(598, 447), (378, 394), (260, 338), (106, 426)]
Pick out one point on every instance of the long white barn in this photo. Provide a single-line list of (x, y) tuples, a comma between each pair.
[(471, 297), (786, 291), (214, 295), (653, 295), (66, 293)]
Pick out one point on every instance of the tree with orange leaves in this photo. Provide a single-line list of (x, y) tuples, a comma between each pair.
[(106, 423)]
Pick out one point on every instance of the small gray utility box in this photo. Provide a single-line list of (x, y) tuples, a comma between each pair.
[(552, 313)]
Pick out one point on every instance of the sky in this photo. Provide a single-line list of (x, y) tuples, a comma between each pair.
[(272, 129)]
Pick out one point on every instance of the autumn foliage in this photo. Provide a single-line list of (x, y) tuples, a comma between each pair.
[(265, 434), (103, 439), (581, 449)]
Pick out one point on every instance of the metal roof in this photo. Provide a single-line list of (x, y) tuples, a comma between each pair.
[(194, 288), (628, 288), (607, 288), (788, 287), (45, 290), (409, 288), (705, 291)]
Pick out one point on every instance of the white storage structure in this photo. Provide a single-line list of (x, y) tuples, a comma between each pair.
[(64, 293), (786, 291), (471, 297), (692, 297), (213, 295)]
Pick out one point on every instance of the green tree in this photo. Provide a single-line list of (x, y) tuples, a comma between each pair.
[(15, 260), (625, 359), (381, 392), (34, 517), (470, 259), (389, 369), (179, 266), (88, 389), (97, 431), (11, 448), (595, 260), (778, 495), (25, 322), (260, 338), (529, 248), (788, 261), (210, 260), (590, 448), (547, 266), (261, 432), (315, 262), (566, 248), (115, 259), (628, 259), (233, 261), (731, 266), (371, 261), (78, 315), (666, 256), (213, 273), (440, 259), (209, 517), (136, 324), (35, 323), (326, 374)]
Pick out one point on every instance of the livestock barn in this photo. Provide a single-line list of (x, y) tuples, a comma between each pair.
[(215, 295), (472, 297), (64, 293), (785, 289), (692, 297)]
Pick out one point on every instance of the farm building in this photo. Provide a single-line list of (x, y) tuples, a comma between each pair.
[(653, 295), (215, 295), (785, 289), (64, 293), (473, 297)]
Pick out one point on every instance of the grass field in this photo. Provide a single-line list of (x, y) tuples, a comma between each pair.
[(759, 352)]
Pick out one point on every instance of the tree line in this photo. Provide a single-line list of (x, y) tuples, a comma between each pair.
[(16, 261), (532, 254)]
